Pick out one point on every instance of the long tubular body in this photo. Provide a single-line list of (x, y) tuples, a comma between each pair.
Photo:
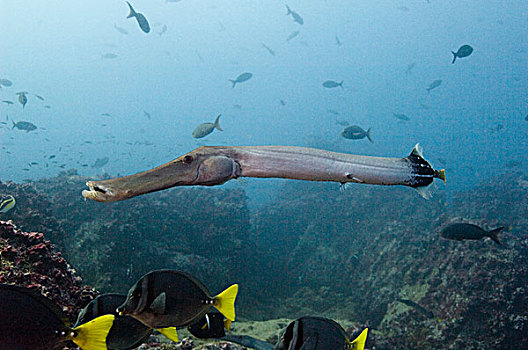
[(209, 166)]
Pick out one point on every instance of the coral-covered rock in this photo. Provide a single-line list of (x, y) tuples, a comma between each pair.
[(28, 259)]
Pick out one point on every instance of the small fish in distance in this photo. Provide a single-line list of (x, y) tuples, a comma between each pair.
[(22, 125), (355, 132), (329, 84), (241, 78), (296, 17), (434, 85), (205, 129), (142, 21), (463, 51)]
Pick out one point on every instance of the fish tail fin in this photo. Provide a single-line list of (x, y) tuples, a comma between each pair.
[(233, 82), (454, 57), (421, 172), (92, 335), (170, 333), (440, 174), (341, 84), (493, 234), (227, 324), (132, 11), (428, 90), (14, 124), (289, 10), (359, 342), (225, 302), (217, 123), (368, 135)]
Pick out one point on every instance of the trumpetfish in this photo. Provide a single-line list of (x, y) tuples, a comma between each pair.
[(215, 165)]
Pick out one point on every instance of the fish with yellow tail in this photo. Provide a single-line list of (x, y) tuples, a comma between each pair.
[(169, 298), (126, 332), (31, 321), (307, 333), (318, 333)]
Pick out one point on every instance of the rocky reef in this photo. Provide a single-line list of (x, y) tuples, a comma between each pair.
[(352, 254), (314, 250)]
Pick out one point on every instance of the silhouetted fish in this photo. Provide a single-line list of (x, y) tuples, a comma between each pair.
[(22, 98), (434, 85), (271, 52), (142, 21), (241, 78), (22, 125), (401, 116), (462, 231), (463, 51), (292, 35), (296, 17), (6, 82), (354, 132), (329, 84)]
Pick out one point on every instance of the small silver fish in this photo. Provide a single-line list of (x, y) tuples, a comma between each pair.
[(205, 129)]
